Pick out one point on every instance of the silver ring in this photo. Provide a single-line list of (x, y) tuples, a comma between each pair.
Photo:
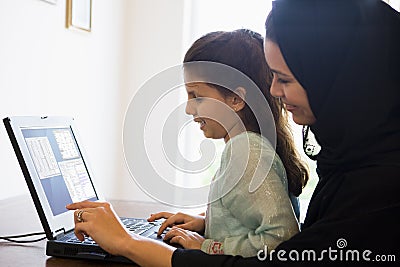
[(79, 215)]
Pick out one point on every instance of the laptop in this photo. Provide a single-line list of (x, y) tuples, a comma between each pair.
[(57, 173)]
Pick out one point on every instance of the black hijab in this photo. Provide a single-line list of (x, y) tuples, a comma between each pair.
[(346, 55)]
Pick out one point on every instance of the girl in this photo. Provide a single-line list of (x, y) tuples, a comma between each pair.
[(240, 222)]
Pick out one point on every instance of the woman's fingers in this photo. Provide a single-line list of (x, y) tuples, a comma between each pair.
[(100, 223), (79, 232), (84, 213), (86, 204), (82, 217)]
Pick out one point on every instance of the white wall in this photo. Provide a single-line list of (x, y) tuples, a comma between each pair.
[(153, 43), (46, 69)]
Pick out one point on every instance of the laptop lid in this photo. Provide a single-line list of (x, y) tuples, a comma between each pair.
[(54, 167)]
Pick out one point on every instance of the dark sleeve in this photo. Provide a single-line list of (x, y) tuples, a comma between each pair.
[(349, 226), (197, 258), (350, 236)]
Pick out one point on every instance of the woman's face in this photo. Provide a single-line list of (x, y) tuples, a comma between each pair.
[(285, 86), (212, 110)]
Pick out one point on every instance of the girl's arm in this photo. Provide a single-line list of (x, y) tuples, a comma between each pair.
[(263, 216), (267, 213), (181, 220)]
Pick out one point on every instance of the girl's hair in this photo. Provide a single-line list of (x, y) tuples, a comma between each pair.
[(243, 50)]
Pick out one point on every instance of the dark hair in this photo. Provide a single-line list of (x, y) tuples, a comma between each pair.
[(243, 50), (269, 29)]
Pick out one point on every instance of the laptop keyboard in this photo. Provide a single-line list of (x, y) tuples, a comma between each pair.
[(134, 226), (71, 238), (140, 226)]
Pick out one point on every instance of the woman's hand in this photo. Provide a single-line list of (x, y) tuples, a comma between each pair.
[(99, 221), (101, 224), (194, 223), (185, 238)]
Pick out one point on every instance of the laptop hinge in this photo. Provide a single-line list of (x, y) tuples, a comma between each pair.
[(57, 232)]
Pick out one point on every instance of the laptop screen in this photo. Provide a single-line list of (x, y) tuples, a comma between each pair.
[(59, 166)]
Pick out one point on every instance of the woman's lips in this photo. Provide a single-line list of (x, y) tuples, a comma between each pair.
[(290, 107)]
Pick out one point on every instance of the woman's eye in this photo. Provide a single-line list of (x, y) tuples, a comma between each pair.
[(198, 99), (282, 81)]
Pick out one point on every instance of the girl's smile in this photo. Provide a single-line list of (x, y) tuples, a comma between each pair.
[(200, 121)]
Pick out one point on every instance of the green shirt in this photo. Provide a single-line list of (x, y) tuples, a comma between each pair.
[(252, 206)]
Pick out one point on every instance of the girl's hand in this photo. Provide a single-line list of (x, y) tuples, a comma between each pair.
[(101, 224), (185, 238), (194, 223)]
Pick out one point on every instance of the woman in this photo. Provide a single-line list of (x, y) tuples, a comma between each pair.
[(332, 61), (341, 58)]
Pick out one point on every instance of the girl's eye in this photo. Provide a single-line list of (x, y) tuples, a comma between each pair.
[(198, 99), (195, 98)]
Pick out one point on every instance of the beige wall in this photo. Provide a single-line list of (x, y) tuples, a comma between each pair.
[(46, 69)]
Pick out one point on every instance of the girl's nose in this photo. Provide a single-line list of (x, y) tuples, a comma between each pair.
[(190, 109)]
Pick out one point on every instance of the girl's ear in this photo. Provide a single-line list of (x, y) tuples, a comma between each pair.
[(238, 99)]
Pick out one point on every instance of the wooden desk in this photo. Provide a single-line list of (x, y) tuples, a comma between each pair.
[(18, 216)]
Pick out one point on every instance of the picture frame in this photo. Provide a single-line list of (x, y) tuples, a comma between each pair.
[(79, 14)]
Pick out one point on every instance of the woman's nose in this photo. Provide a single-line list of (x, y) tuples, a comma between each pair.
[(276, 90)]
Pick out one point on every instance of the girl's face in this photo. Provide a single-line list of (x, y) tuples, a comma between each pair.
[(213, 111), (285, 86)]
